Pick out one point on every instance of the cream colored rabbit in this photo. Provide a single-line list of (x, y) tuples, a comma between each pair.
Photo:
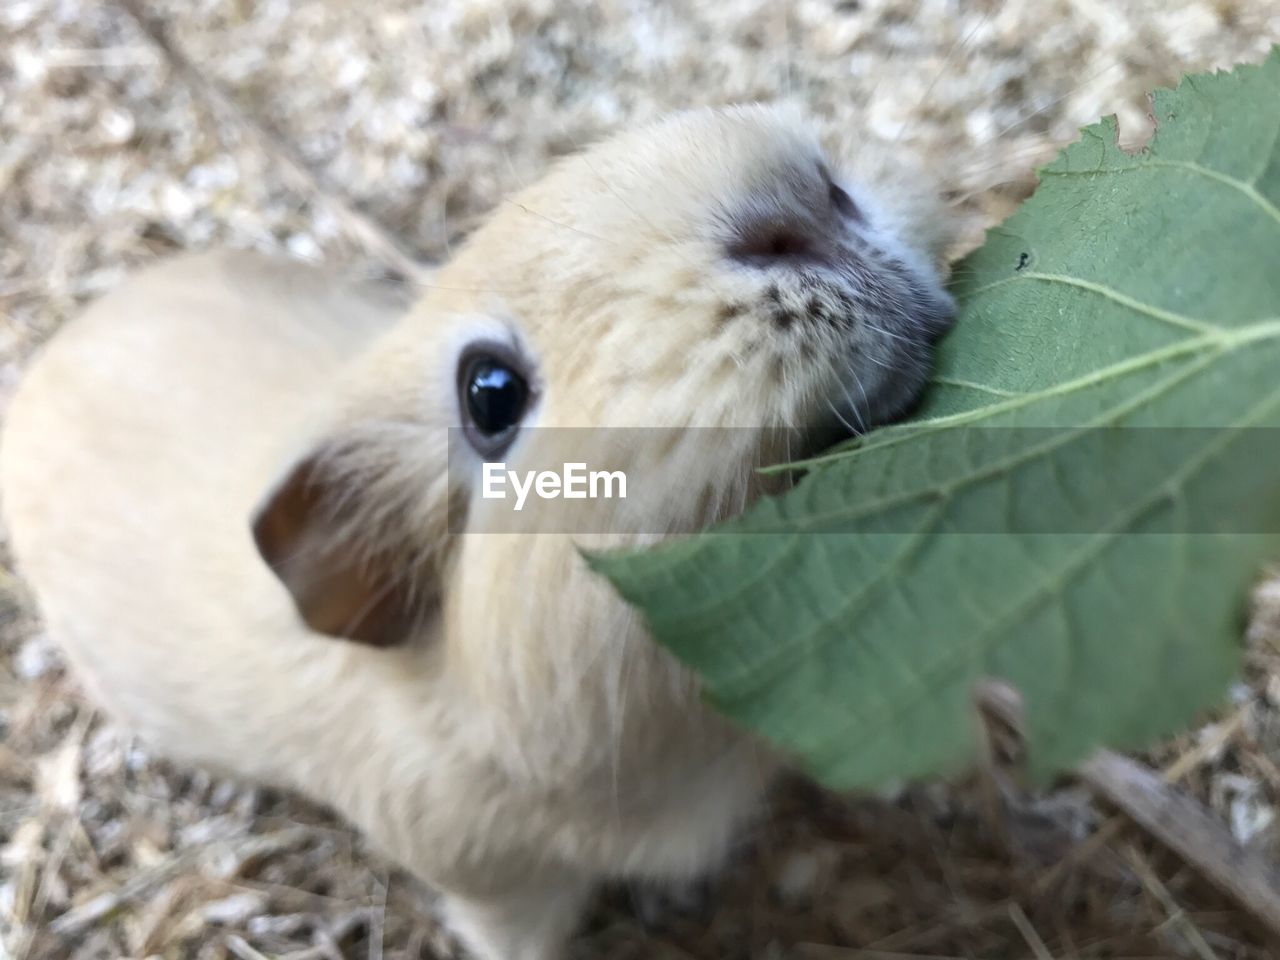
[(228, 483)]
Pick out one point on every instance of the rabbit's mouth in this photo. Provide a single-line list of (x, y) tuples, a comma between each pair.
[(862, 331), (852, 312), (886, 332)]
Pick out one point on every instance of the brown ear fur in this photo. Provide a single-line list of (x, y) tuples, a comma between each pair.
[(305, 533)]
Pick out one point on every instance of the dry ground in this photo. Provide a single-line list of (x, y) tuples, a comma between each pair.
[(423, 113)]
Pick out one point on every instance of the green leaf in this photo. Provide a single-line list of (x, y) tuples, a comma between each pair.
[(1035, 522)]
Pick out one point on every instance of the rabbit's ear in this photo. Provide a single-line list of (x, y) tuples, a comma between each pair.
[(345, 579)]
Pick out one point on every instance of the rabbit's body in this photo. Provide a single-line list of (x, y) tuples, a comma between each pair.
[(141, 439), (482, 706), (141, 443)]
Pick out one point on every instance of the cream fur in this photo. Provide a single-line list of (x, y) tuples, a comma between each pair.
[(529, 739)]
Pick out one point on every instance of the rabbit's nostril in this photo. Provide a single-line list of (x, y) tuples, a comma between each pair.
[(844, 204), (766, 242)]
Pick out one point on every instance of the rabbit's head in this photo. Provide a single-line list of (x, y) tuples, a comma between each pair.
[(683, 303)]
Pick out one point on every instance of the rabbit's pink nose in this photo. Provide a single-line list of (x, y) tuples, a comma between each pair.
[(779, 239), (795, 227)]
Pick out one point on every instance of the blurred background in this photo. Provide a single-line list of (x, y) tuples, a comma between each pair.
[(377, 133)]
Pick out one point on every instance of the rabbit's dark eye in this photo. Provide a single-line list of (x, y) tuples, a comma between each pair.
[(494, 397)]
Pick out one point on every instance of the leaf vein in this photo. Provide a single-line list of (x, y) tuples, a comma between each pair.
[(979, 387), (1132, 303), (1059, 440), (1243, 186), (1266, 328), (782, 651), (992, 635)]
